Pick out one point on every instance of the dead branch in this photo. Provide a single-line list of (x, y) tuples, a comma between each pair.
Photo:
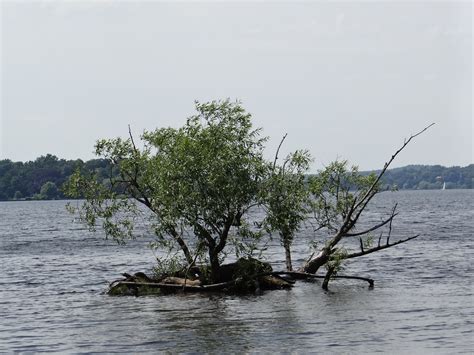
[(355, 211), (388, 220), (390, 227), (377, 248), (270, 279), (304, 275), (131, 139), (278, 150), (371, 191)]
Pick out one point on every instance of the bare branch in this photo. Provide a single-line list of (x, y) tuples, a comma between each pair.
[(390, 226), (372, 250), (177, 237), (278, 150), (131, 139), (305, 275), (371, 191), (390, 219)]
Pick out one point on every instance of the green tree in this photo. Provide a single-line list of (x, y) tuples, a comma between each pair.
[(203, 177), (287, 199), (49, 191)]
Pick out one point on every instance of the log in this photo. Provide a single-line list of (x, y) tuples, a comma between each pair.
[(180, 281), (177, 287), (272, 282), (305, 275)]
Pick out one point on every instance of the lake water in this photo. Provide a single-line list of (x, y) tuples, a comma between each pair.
[(54, 274)]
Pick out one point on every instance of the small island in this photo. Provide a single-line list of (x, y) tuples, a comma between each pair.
[(196, 186)]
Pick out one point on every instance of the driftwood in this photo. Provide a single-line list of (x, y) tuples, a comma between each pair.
[(177, 287), (180, 281), (265, 282), (132, 285), (305, 275)]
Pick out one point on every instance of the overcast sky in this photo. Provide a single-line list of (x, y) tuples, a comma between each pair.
[(344, 79)]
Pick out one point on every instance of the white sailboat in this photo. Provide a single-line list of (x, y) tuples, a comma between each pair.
[(444, 186)]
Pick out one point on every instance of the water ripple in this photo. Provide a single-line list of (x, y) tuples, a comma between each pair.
[(54, 274)]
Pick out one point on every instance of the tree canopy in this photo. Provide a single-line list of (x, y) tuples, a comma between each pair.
[(203, 177)]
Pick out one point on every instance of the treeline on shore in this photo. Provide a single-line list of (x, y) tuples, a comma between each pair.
[(429, 177), (42, 179)]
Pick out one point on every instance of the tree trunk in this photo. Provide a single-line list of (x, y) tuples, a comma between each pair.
[(215, 267), (182, 245), (327, 278), (215, 249), (286, 245), (312, 266)]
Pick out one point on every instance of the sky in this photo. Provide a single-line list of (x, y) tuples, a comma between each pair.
[(345, 80)]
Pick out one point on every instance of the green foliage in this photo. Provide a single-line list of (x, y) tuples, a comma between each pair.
[(247, 241), (335, 263), (113, 211), (49, 190), (24, 180), (212, 165), (244, 271), (201, 178), (287, 199), (170, 266), (368, 241), (287, 195)]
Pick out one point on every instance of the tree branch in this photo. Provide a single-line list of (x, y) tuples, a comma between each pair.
[(392, 216), (131, 139), (278, 150), (305, 275), (181, 243), (377, 248), (371, 191)]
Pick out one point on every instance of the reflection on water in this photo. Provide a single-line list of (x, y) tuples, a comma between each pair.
[(54, 273)]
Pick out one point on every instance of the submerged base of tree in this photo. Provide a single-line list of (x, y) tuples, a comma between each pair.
[(243, 276)]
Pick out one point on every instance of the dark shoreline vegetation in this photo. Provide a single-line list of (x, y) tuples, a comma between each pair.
[(200, 182), (43, 178)]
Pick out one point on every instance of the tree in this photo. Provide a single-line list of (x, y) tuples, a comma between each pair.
[(203, 177), (49, 191), (287, 198)]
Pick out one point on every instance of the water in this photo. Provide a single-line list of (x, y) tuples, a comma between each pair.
[(54, 273)]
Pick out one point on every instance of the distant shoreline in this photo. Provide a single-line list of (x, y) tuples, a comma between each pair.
[(69, 199), (43, 178)]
